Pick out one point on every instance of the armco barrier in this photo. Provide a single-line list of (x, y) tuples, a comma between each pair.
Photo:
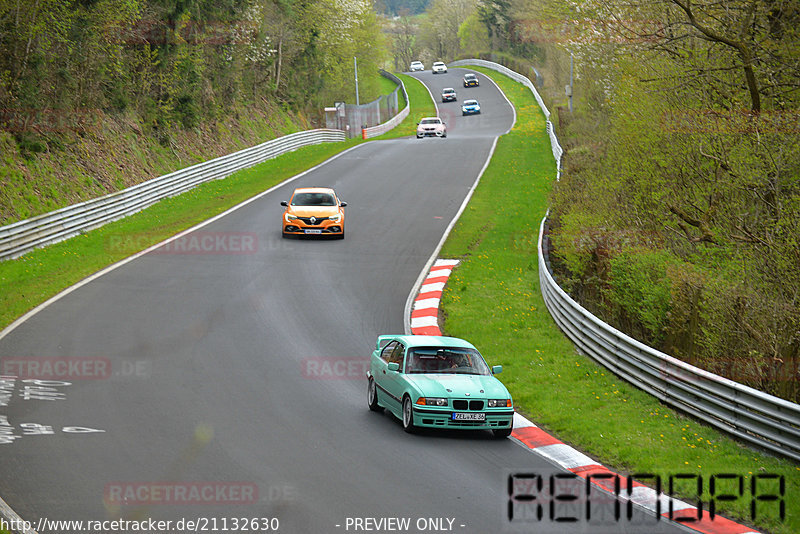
[(18, 238), (747, 413), (751, 415), (381, 129)]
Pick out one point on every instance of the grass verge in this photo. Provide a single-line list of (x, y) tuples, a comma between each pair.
[(42, 273), (493, 299)]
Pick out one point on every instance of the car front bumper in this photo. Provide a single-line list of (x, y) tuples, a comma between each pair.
[(299, 228), (470, 111), (439, 418)]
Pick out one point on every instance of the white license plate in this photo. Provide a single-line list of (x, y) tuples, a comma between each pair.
[(312, 231), (463, 416)]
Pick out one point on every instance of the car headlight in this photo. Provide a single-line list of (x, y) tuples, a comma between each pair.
[(432, 401), (289, 217), (335, 218), (499, 403)]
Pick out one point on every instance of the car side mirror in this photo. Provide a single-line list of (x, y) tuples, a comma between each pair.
[(284, 203), (497, 369), (343, 204), (393, 366)]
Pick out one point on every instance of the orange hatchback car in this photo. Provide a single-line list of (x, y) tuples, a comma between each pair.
[(314, 211)]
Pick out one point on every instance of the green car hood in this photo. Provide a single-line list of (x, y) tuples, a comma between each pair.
[(436, 385)]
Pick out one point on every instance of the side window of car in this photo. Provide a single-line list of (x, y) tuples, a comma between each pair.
[(397, 355), (386, 353)]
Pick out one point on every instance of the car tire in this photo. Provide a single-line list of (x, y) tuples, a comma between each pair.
[(503, 432), (444, 134), (372, 396), (408, 416)]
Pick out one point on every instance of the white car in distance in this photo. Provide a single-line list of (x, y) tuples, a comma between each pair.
[(439, 68), (416, 65), (431, 127)]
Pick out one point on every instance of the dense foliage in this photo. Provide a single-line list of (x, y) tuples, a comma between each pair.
[(97, 95), (176, 63), (677, 217)]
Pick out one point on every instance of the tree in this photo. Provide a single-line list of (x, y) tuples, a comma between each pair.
[(439, 31)]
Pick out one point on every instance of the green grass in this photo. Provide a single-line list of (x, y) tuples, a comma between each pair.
[(42, 273), (493, 300)]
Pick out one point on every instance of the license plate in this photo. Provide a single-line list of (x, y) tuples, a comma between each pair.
[(312, 231), (463, 416)]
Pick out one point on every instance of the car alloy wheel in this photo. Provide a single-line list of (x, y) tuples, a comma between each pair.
[(408, 416), (372, 396)]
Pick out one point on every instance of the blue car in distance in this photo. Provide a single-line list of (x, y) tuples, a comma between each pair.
[(470, 107), (438, 382)]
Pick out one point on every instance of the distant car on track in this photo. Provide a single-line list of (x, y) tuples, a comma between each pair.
[(431, 127), (437, 382), (416, 65), (448, 94), (470, 107), (471, 80), (439, 67), (313, 211)]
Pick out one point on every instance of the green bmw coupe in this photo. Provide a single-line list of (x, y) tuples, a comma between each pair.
[(438, 382)]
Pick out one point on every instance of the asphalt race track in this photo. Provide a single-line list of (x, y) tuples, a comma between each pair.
[(226, 384)]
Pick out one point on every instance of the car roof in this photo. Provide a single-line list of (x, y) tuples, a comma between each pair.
[(470, 102), (448, 89), (438, 62), (470, 75), (313, 190), (433, 341)]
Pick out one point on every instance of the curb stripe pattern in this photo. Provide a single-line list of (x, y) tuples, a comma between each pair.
[(425, 321), (425, 312)]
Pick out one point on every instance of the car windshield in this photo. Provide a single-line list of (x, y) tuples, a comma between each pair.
[(431, 121), (470, 102), (450, 360), (448, 91), (313, 199)]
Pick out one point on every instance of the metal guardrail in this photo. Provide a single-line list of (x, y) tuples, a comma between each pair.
[(747, 413), (751, 415), (18, 238), (381, 129)]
